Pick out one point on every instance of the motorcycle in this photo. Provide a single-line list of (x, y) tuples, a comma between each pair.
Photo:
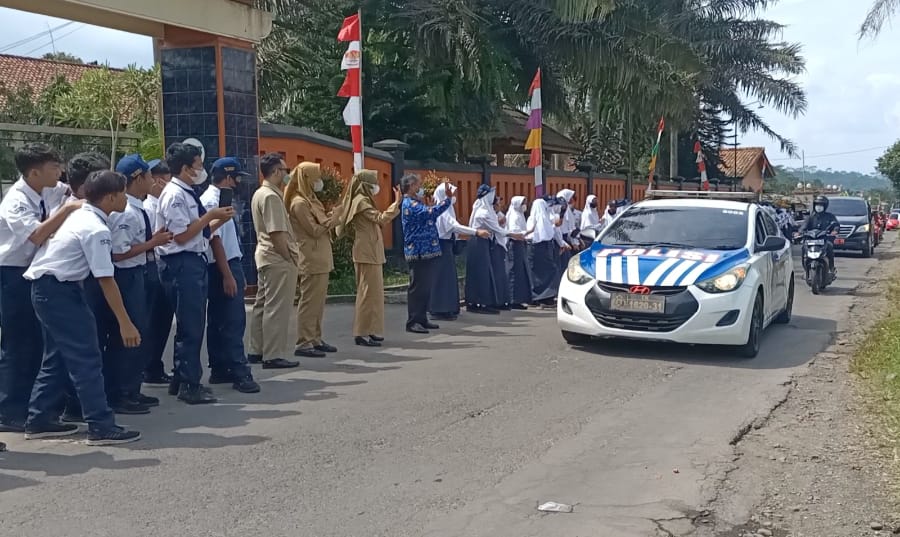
[(819, 273)]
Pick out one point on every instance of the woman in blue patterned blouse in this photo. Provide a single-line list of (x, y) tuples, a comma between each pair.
[(422, 248)]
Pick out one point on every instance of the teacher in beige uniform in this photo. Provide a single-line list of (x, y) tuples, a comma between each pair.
[(312, 226), (276, 262), (362, 221)]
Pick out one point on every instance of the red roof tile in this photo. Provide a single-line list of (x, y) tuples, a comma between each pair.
[(36, 73), (747, 158)]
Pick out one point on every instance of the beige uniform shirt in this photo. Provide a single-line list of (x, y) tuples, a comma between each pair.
[(314, 238), (270, 216), (368, 242)]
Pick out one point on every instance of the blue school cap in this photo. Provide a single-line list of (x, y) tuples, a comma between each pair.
[(132, 166), (154, 163), (228, 166)]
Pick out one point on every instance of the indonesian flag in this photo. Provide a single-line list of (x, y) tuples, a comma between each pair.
[(655, 153), (534, 143), (351, 31), (701, 166)]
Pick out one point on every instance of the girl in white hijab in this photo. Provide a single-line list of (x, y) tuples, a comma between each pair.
[(444, 303), (517, 257), (590, 217), (482, 291), (546, 242)]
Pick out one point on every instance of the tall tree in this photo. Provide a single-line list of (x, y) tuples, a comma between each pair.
[(62, 57), (880, 12)]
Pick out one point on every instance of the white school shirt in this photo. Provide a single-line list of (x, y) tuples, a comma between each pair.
[(128, 229), (151, 205), (81, 247), (228, 231), (20, 215), (178, 208)]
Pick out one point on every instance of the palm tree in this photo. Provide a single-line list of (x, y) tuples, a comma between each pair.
[(880, 12)]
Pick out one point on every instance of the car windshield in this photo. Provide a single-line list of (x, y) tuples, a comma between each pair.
[(847, 207), (679, 227), (895, 216)]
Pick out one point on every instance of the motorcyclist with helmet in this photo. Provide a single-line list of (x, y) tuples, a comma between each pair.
[(821, 219)]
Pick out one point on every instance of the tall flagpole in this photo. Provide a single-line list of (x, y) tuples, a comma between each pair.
[(352, 88), (535, 136), (362, 147)]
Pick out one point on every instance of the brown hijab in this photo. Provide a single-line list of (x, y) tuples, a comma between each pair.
[(357, 199), (301, 187)]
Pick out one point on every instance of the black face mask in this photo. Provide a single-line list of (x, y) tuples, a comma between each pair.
[(593, 205)]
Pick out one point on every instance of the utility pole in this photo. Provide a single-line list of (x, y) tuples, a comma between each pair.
[(803, 167), (673, 153)]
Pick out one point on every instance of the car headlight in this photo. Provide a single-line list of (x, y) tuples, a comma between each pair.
[(725, 282), (576, 273), (863, 228)]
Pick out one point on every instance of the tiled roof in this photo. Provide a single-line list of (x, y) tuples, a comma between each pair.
[(747, 159), (36, 73), (513, 134)]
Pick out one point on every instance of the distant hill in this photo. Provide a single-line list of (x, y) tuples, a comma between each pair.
[(852, 181)]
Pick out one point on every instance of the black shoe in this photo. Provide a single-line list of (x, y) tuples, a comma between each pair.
[(280, 363), (431, 326), (195, 395), (146, 400), (174, 386), (254, 358), (367, 342), (129, 407), (246, 385), (2, 447), (49, 430), (160, 379), (482, 310), (221, 377), (12, 427), (377, 339), (309, 352), (325, 347), (520, 307), (416, 329), (112, 437)]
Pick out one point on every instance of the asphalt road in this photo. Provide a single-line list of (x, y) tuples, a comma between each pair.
[(461, 433)]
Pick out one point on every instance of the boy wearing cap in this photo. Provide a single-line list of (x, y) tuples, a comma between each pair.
[(160, 311), (227, 316), (25, 224), (78, 250), (183, 267), (133, 242)]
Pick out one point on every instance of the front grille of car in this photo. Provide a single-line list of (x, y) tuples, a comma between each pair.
[(654, 290), (680, 306), (846, 230)]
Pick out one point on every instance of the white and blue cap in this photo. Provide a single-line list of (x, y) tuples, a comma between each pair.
[(132, 166)]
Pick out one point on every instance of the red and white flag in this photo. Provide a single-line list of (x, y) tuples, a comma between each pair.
[(351, 31), (701, 166)]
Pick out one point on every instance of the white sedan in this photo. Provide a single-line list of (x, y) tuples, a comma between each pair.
[(697, 271)]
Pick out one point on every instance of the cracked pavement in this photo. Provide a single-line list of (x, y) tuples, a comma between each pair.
[(460, 433)]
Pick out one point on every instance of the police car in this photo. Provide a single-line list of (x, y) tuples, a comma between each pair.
[(684, 267)]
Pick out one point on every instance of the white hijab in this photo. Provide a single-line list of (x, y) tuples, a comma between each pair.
[(447, 219), (569, 223), (483, 208), (589, 217), (540, 221), (515, 216)]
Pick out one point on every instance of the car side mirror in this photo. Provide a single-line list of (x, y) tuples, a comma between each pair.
[(773, 244), (589, 234)]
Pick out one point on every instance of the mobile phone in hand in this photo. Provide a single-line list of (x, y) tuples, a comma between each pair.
[(226, 197)]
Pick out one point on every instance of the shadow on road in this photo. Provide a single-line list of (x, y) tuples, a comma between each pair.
[(61, 465), (782, 347)]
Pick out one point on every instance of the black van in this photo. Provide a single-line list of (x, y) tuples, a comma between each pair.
[(855, 216)]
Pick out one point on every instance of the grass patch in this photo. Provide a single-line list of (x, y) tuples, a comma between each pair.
[(345, 283), (877, 362)]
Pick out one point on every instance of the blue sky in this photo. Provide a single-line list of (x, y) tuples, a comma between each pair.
[(853, 87)]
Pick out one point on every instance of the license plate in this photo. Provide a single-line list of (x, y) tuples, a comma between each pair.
[(838, 242), (637, 303), (819, 242)]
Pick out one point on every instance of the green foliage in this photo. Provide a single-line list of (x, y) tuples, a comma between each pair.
[(787, 178), (333, 187), (62, 57), (889, 164)]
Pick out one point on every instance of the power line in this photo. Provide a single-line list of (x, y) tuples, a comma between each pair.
[(854, 152), (31, 38), (49, 43)]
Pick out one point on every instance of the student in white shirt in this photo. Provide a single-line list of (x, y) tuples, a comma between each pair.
[(80, 249), (183, 266), (227, 315), (25, 225), (161, 313), (133, 240)]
